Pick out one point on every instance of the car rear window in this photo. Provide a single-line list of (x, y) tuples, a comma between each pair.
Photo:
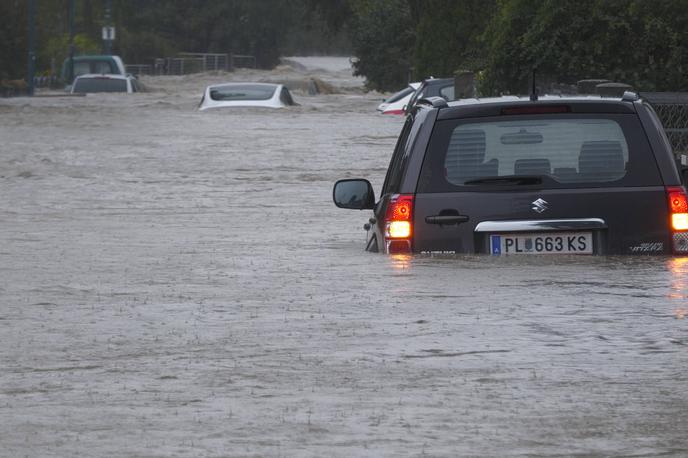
[(399, 95), (101, 67), (81, 68), (564, 150), (242, 92), (84, 85), (447, 92)]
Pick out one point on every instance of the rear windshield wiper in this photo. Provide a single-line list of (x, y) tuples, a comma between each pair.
[(507, 180)]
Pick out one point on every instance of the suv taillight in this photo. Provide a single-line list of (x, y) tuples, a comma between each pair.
[(399, 224), (678, 209)]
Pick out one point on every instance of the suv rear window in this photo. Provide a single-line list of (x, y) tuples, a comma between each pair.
[(564, 150)]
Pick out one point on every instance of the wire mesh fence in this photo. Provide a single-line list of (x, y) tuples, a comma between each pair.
[(179, 65), (139, 69), (211, 61), (672, 109), (192, 62), (243, 60)]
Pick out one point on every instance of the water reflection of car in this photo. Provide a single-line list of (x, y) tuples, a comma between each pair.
[(432, 87), (231, 95), (395, 103), (87, 84), (510, 175)]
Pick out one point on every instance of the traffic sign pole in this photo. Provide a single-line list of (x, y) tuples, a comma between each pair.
[(32, 46), (108, 30)]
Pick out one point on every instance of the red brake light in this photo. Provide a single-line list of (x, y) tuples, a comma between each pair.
[(538, 109), (678, 208), (678, 203), (399, 223)]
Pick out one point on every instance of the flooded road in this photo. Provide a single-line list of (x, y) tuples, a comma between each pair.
[(177, 283)]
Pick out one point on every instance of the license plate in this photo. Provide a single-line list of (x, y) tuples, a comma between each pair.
[(542, 243)]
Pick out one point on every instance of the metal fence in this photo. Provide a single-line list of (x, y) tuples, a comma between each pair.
[(242, 60), (179, 65), (194, 62), (211, 61), (139, 69), (672, 109)]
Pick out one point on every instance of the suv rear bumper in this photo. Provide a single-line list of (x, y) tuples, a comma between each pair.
[(577, 224)]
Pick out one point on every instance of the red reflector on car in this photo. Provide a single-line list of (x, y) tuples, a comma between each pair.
[(538, 109), (678, 203), (399, 208), (394, 112)]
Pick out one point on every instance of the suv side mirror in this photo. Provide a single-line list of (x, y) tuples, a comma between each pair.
[(357, 194)]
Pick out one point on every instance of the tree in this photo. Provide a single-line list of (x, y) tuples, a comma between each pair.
[(383, 37), (13, 46), (449, 36), (631, 41)]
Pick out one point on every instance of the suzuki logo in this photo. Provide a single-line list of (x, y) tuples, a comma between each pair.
[(540, 205)]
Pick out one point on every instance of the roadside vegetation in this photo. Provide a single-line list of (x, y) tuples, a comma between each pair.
[(641, 43)]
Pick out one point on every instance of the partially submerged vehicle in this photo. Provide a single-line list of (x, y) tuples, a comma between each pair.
[(92, 64), (432, 87), (515, 175), (395, 103), (229, 95), (94, 83)]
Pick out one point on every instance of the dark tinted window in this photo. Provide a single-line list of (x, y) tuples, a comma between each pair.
[(567, 151), (393, 178), (85, 85), (285, 97), (660, 128), (242, 92)]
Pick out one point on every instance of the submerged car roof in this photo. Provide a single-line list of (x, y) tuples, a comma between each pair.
[(108, 76), (273, 101), (495, 106), (244, 83)]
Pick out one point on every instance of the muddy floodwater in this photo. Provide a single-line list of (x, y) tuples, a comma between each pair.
[(178, 283)]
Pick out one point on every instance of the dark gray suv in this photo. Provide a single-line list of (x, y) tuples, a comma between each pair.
[(584, 175)]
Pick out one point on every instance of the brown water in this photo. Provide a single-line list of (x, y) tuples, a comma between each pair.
[(176, 283)]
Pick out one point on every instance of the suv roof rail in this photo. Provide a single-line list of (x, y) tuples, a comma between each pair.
[(629, 96), (435, 102)]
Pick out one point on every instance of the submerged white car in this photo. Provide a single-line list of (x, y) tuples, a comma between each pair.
[(246, 95), (395, 103)]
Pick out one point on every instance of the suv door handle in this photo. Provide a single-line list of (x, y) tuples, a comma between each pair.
[(446, 219)]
